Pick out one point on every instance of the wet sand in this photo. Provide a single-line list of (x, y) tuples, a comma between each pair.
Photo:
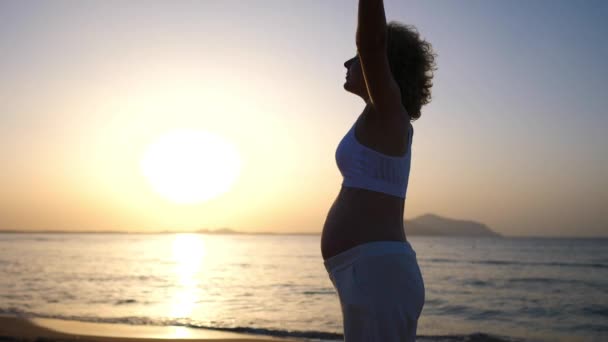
[(48, 330)]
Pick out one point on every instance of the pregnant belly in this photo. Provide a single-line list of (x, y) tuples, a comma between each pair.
[(358, 216)]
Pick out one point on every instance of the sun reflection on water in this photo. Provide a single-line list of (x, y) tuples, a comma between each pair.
[(188, 254)]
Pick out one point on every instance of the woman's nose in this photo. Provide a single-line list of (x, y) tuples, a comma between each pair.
[(348, 62)]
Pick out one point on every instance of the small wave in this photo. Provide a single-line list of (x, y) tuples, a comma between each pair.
[(538, 311), (276, 332), (434, 301), (100, 278), (485, 315), (477, 282), (441, 260), (467, 312), (19, 237), (533, 280), (596, 309), (600, 328), (450, 310), (20, 297), (131, 320), (552, 281), (42, 239), (125, 301), (12, 311), (319, 292)]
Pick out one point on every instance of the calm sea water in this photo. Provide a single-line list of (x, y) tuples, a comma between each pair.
[(509, 289)]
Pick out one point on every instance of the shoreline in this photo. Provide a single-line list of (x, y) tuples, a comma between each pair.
[(19, 329)]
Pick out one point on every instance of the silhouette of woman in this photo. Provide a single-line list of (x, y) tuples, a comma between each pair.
[(366, 253)]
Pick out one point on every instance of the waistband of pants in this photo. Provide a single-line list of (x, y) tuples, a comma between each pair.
[(375, 248)]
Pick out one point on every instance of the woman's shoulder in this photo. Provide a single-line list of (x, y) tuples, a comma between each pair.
[(387, 136)]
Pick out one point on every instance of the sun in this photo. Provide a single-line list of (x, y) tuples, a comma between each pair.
[(190, 166)]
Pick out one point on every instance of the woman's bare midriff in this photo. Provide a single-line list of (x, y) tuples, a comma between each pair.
[(358, 216)]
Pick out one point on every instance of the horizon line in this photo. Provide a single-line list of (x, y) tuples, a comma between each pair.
[(222, 231)]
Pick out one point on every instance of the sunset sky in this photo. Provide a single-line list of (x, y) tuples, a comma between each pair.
[(515, 136)]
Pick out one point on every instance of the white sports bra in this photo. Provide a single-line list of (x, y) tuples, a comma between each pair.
[(363, 167)]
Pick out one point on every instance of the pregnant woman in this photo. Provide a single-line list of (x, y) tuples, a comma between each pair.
[(366, 253)]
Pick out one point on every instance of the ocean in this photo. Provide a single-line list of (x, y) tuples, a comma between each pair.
[(477, 289)]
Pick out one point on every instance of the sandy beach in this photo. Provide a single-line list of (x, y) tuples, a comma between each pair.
[(43, 329)]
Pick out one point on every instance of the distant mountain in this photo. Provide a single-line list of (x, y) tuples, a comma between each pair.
[(431, 224), (428, 224)]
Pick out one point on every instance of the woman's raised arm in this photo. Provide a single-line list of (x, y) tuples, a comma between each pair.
[(372, 42)]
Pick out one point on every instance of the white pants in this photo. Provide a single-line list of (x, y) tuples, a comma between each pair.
[(381, 291)]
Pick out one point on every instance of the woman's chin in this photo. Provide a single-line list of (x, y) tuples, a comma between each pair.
[(347, 87)]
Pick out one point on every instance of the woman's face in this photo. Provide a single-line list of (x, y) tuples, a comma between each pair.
[(355, 82)]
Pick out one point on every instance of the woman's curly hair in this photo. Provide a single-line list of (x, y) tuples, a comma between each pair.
[(412, 62)]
